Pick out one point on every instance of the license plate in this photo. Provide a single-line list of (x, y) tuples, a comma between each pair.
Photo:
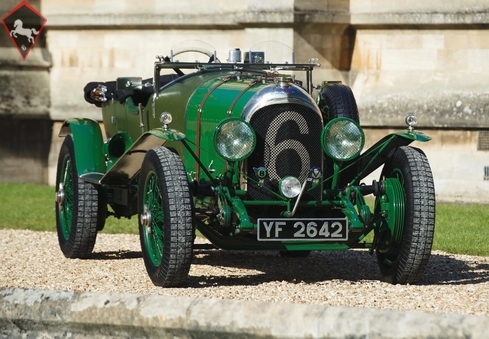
[(330, 229)]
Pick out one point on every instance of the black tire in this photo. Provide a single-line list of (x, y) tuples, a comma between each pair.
[(80, 209), (406, 263), (165, 212), (336, 101)]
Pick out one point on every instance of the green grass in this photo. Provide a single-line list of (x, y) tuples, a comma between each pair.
[(460, 228), (28, 206)]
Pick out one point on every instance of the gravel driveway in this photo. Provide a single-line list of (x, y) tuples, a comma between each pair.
[(452, 283)]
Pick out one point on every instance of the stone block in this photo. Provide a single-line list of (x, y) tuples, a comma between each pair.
[(24, 149), (416, 6), (24, 93)]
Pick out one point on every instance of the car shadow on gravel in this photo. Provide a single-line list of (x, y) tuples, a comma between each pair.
[(114, 255), (258, 267), (447, 270)]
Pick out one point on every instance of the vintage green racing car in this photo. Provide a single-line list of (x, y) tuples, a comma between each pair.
[(249, 152)]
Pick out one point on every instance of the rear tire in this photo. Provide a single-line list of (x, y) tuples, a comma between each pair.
[(337, 101), (406, 262), (80, 211), (165, 213)]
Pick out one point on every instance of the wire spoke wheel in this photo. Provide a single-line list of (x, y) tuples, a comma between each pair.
[(153, 228), (403, 243), (165, 218), (65, 197), (80, 207)]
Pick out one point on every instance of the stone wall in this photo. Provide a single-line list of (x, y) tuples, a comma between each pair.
[(430, 58), (25, 100)]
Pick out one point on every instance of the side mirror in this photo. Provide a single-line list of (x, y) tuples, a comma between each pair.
[(129, 83)]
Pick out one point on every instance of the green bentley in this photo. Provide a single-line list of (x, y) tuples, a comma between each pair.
[(250, 152)]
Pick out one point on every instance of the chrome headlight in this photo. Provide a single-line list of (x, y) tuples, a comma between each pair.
[(166, 118), (290, 187), (342, 139), (234, 139)]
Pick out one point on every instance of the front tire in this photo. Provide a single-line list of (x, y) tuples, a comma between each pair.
[(80, 211), (404, 255), (165, 218)]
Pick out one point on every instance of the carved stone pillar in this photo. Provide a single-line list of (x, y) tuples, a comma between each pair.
[(25, 127), (24, 84)]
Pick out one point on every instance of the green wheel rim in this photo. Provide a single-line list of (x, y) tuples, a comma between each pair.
[(154, 235), (399, 205), (66, 208), (392, 205)]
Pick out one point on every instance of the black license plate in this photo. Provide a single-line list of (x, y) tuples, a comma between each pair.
[(330, 229)]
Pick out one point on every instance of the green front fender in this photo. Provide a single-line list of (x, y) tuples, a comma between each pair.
[(166, 134), (376, 155), (88, 141), (128, 165)]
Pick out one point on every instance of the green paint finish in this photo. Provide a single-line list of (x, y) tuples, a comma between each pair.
[(115, 146), (88, 141), (120, 118), (349, 209), (167, 134), (228, 215), (391, 206), (375, 156), (107, 113), (214, 101)]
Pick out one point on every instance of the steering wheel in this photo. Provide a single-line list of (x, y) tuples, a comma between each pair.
[(196, 50), (201, 50)]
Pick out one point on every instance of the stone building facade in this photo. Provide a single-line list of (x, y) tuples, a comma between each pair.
[(430, 58)]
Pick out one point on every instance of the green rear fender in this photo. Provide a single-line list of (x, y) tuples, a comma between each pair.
[(88, 141)]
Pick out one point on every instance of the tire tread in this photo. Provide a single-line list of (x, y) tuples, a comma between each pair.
[(86, 214), (340, 101), (179, 237), (419, 225)]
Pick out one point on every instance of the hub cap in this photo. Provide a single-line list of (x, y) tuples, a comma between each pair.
[(60, 196), (146, 218)]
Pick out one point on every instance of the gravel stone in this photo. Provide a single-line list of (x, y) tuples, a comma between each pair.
[(457, 284)]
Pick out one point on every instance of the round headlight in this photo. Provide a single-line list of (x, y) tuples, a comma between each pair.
[(234, 139), (342, 139), (290, 187)]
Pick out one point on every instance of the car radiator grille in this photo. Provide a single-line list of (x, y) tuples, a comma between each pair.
[(288, 144)]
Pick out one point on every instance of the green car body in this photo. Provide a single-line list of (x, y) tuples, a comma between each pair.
[(264, 162)]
